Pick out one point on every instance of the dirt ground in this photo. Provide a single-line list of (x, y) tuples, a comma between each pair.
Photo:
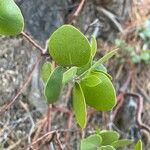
[(25, 121)]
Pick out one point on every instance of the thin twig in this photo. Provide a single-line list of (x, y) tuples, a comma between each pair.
[(59, 142), (61, 109), (126, 84), (68, 93), (33, 42), (39, 139), (120, 97), (142, 91), (139, 111), (31, 120), (46, 135), (25, 84), (69, 125), (78, 10), (14, 146), (48, 128), (38, 131)]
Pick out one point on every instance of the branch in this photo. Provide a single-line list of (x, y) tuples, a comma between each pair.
[(76, 13), (43, 51), (48, 134), (61, 147), (79, 8)]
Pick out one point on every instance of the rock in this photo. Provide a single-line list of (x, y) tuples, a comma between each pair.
[(43, 17)]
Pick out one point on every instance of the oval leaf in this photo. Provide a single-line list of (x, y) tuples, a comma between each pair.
[(108, 147), (46, 71), (79, 105), (108, 137), (91, 143), (108, 75), (103, 59), (69, 75), (101, 67), (11, 19), (138, 145), (69, 47), (121, 143), (54, 85), (93, 46), (84, 68), (91, 81), (101, 97)]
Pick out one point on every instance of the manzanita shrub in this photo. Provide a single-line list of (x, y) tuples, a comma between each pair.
[(106, 140), (73, 55)]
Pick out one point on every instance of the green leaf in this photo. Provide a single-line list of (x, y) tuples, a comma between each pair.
[(54, 85), (108, 137), (69, 75), (46, 71), (91, 81), (136, 58), (101, 97), (98, 130), (121, 143), (108, 147), (84, 68), (91, 143), (69, 47), (102, 68), (93, 46), (103, 59), (11, 19), (138, 145), (108, 75), (145, 56), (79, 105)]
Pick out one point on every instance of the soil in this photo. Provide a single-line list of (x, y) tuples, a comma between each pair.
[(21, 123)]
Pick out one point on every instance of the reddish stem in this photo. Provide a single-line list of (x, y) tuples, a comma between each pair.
[(33, 43), (25, 84), (77, 11), (139, 111)]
